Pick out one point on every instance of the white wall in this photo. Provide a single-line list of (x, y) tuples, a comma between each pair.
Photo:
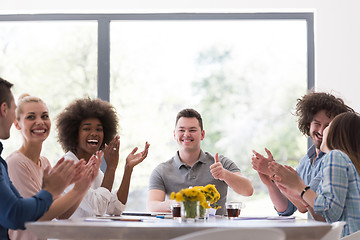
[(337, 29)]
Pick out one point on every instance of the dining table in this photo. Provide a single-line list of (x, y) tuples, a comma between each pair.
[(162, 226)]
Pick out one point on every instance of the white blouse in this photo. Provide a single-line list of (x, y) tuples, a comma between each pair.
[(98, 200)]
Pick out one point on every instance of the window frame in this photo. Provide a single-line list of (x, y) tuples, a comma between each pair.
[(104, 20)]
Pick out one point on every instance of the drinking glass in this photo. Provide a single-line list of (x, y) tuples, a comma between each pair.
[(176, 211), (233, 209)]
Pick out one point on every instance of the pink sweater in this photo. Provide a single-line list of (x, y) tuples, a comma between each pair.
[(27, 178)]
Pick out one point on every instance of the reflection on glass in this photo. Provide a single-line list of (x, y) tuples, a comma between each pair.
[(243, 77)]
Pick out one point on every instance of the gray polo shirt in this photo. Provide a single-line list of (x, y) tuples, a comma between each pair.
[(174, 175)]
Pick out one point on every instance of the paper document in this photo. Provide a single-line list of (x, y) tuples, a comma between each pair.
[(267, 218)]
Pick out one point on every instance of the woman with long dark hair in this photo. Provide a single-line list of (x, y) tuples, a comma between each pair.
[(338, 195)]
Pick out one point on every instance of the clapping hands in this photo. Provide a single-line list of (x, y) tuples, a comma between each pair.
[(134, 158), (287, 179), (59, 177), (111, 153), (261, 163), (89, 172)]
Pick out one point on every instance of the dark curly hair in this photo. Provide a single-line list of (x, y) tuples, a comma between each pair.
[(68, 122), (313, 102)]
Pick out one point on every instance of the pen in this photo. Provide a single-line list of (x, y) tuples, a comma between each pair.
[(127, 220), (164, 216)]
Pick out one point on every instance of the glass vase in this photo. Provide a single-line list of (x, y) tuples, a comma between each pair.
[(190, 211), (203, 213)]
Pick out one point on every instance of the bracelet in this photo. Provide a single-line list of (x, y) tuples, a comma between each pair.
[(303, 191)]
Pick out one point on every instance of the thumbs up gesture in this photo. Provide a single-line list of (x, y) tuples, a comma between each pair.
[(217, 169)]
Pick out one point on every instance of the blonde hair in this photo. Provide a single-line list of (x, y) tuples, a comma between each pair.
[(26, 98)]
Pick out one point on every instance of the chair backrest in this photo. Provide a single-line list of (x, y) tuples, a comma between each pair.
[(235, 233), (353, 236), (335, 232)]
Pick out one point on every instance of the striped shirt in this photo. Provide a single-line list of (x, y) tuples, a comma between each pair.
[(339, 192)]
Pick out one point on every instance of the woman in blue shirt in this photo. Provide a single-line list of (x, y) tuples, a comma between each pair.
[(338, 195)]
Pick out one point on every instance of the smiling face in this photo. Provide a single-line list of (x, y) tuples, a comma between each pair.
[(188, 134), (323, 147), (34, 122), (91, 136), (317, 126)]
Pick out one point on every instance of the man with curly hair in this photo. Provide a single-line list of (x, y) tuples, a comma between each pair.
[(85, 127), (315, 111)]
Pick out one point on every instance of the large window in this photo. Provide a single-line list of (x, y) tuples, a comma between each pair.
[(56, 61), (242, 72)]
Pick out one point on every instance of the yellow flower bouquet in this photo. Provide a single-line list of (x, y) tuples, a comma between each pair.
[(196, 197), (211, 195)]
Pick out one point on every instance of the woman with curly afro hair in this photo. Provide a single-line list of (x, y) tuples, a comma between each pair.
[(85, 127)]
